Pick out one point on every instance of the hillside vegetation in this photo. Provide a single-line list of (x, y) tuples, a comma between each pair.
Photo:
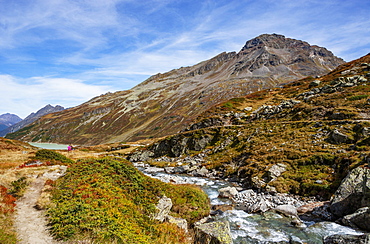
[(98, 200), (313, 131), (110, 201)]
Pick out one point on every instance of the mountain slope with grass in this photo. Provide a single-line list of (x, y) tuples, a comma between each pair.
[(302, 138), (31, 118), (167, 103)]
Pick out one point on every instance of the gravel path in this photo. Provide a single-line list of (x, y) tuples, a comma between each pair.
[(29, 222)]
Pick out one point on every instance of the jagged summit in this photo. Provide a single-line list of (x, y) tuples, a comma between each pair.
[(166, 103), (31, 118), (271, 51), (272, 40), (7, 120)]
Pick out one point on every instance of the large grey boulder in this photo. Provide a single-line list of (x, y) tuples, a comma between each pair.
[(227, 192), (180, 222), (337, 137), (260, 206), (346, 239), (359, 219), (275, 171), (353, 193), (202, 172), (288, 210), (163, 209), (140, 156), (217, 232), (176, 170)]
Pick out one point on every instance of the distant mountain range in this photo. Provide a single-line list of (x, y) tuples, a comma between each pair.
[(19, 124), (7, 120), (167, 103)]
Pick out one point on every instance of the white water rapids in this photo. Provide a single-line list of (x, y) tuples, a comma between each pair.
[(255, 228)]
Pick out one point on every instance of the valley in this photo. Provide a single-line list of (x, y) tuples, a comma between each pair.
[(285, 126)]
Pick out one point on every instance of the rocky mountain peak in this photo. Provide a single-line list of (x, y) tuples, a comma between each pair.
[(45, 110), (273, 50), (166, 103), (7, 120), (264, 40), (31, 118)]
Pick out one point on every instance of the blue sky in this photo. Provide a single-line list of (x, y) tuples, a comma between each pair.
[(67, 51)]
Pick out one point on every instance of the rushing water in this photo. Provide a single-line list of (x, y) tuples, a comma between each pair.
[(256, 228), (52, 146)]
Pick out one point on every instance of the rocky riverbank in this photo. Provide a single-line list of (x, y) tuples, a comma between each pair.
[(244, 208)]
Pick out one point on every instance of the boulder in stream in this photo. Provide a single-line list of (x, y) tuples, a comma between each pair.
[(359, 219), (288, 210), (345, 239), (217, 232), (227, 192), (353, 193)]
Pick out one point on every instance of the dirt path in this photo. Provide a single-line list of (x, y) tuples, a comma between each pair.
[(30, 223)]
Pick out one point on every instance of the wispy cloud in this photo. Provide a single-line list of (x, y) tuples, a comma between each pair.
[(115, 44), (24, 96)]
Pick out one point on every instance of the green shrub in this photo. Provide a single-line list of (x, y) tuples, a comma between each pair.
[(7, 238), (18, 187), (357, 97), (111, 201), (228, 105), (45, 154)]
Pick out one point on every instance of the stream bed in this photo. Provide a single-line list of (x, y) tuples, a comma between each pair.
[(268, 227)]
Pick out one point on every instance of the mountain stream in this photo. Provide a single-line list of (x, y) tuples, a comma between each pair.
[(245, 228)]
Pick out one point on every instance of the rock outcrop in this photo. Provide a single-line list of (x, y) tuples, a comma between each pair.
[(163, 209), (215, 232), (353, 193), (359, 219), (337, 137), (346, 239)]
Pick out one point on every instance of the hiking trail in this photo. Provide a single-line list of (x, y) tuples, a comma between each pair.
[(30, 223)]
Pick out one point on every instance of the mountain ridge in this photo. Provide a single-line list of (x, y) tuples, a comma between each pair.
[(7, 120), (166, 103), (31, 118)]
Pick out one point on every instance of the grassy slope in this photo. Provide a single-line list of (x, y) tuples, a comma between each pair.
[(295, 137), (110, 201)]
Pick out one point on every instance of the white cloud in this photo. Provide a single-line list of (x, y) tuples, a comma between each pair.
[(32, 22), (23, 96)]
